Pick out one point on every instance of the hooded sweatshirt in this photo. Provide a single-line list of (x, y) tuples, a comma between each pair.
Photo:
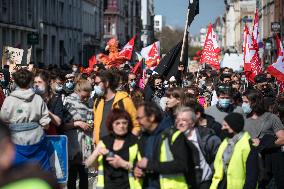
[(24, 106)]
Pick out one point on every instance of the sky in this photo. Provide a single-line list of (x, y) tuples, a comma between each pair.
[(175, 12)]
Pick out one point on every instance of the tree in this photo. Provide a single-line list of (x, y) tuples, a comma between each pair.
[(168, 38)]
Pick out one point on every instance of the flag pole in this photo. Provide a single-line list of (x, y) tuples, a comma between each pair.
[(189, 19)]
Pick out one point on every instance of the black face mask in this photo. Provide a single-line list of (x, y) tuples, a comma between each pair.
[(226, 133)]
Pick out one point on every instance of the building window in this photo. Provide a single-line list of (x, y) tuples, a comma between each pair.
[(157, 23), (112, 4)]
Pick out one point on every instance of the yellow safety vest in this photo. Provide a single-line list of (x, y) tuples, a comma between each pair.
[(170, 181), (236, 173), (133, 183)]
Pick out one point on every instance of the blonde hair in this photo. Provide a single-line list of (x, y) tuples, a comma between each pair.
[(83, 85)]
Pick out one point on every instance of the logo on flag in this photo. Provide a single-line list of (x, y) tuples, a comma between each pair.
[(252, 65), (126, 52), (151, 55), (211, 50)]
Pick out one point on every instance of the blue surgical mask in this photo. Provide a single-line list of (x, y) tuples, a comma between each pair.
[(246, 108), (58, 88), (69, 85), (224, 103), (132, 84), (39, 90), (98, 90)]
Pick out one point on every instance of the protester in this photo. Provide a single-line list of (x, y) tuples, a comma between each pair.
[(224, 105), (116, 153), (79, 132), (164, 163), (27, 116), (42, 87), (267, 133), (106, 84), (236, 162), (202, 142)]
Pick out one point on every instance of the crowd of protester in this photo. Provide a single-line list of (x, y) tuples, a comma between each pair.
[(206, 129)]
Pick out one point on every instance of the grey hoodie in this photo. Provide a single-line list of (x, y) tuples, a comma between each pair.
[(24, 106)]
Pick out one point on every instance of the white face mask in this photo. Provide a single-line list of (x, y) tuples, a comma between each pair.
[(74, 69), (98, 90)]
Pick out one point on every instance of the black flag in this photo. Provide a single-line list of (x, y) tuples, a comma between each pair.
[(168, 66)]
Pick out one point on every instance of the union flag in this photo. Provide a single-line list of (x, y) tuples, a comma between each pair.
[(211, 50)]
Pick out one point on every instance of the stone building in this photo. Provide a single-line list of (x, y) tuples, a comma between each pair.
[(62, 29)]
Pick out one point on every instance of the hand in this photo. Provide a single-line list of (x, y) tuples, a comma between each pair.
[(83, 125), (142, 164), (116, 161), (103, 151), (255, 141), (138, 173)]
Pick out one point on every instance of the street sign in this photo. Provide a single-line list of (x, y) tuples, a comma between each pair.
[(58, 156), (33, 38), (275, 27)]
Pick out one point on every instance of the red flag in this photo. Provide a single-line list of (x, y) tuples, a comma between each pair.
[(127, 50), (92, 61), (151, 54), (211, 50), (252, 64), (277, 68)]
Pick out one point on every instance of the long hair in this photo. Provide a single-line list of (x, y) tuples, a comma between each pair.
[(256, 102), (45, 76)]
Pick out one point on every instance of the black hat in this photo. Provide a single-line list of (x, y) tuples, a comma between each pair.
[(260, 78), (235, 121)]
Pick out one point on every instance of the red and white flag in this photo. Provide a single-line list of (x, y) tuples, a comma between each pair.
[(211, 50), (252, 63), (152, 55), (126, 52), (277, 68)]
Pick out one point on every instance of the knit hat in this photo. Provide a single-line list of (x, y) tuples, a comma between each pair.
[(235, 121)]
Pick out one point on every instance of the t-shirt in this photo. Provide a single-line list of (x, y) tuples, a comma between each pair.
[(219, 115), (117, 177), (267, 123), (107, 108)]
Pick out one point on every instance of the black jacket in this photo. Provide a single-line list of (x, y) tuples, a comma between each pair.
[(209, 144), (182, 163)]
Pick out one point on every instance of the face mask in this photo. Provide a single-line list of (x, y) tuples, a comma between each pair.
[(98, 90), (226, 133), (132, 84), (224, 103), (202, 82), (69, 85), (246, 108), (58, 88), (186, 83), (74, 69), (39, 90), (243, 78), (158, 87)]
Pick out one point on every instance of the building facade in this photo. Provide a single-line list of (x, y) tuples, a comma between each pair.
[(63, 28), (92, 24), (147, 15), (238, 13), (122, 19), (159, 23)]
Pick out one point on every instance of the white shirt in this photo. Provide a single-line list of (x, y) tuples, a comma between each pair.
[(206, 170)]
